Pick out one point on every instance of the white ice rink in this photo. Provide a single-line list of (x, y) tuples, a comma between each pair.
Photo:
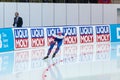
[(99, 61)]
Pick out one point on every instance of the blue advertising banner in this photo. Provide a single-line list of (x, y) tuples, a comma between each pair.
[(6, 62), (6, 39), (115, 32)]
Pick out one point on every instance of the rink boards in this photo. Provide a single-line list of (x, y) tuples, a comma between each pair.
[(24, 38)]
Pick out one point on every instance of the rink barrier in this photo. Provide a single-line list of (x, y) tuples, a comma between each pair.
[(28, 38), (24, 38), (115, 32), (6, 40), (42, 36)]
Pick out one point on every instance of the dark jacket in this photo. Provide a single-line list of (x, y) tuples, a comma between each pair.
[(19, 22)]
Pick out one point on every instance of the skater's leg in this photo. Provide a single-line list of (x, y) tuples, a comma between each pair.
[(50, 49), (57, 49)]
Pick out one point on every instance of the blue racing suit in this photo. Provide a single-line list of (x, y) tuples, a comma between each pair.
[(57, 39)]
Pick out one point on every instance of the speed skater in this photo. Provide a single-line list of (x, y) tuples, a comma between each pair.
[(58, 39)]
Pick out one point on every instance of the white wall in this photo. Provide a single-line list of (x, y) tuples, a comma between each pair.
[(110, 14), (60, 14), (96, 14), (49, 14), (9, 10), (84, 14), (35, 14), (24, 11), (1, 15), (72, 14), (116, 18)]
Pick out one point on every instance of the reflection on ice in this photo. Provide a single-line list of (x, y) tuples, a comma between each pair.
[(21, 62), (102, 51), (86, 52), (77, 61)]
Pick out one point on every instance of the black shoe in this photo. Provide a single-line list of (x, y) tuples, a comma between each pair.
[(53, 55), (45, 57)]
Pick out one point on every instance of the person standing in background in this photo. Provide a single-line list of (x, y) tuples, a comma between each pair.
[(18, 22)]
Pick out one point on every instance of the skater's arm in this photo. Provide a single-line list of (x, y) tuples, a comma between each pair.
[(65, 35), (54, 35), (58, 36)]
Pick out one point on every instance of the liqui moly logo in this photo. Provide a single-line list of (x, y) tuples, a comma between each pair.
[(50, 32), (86, 34), (37, 37), (21, 38), (102, 33), (71, 37)]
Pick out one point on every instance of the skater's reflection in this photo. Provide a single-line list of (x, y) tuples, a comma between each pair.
[(54, 71)]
